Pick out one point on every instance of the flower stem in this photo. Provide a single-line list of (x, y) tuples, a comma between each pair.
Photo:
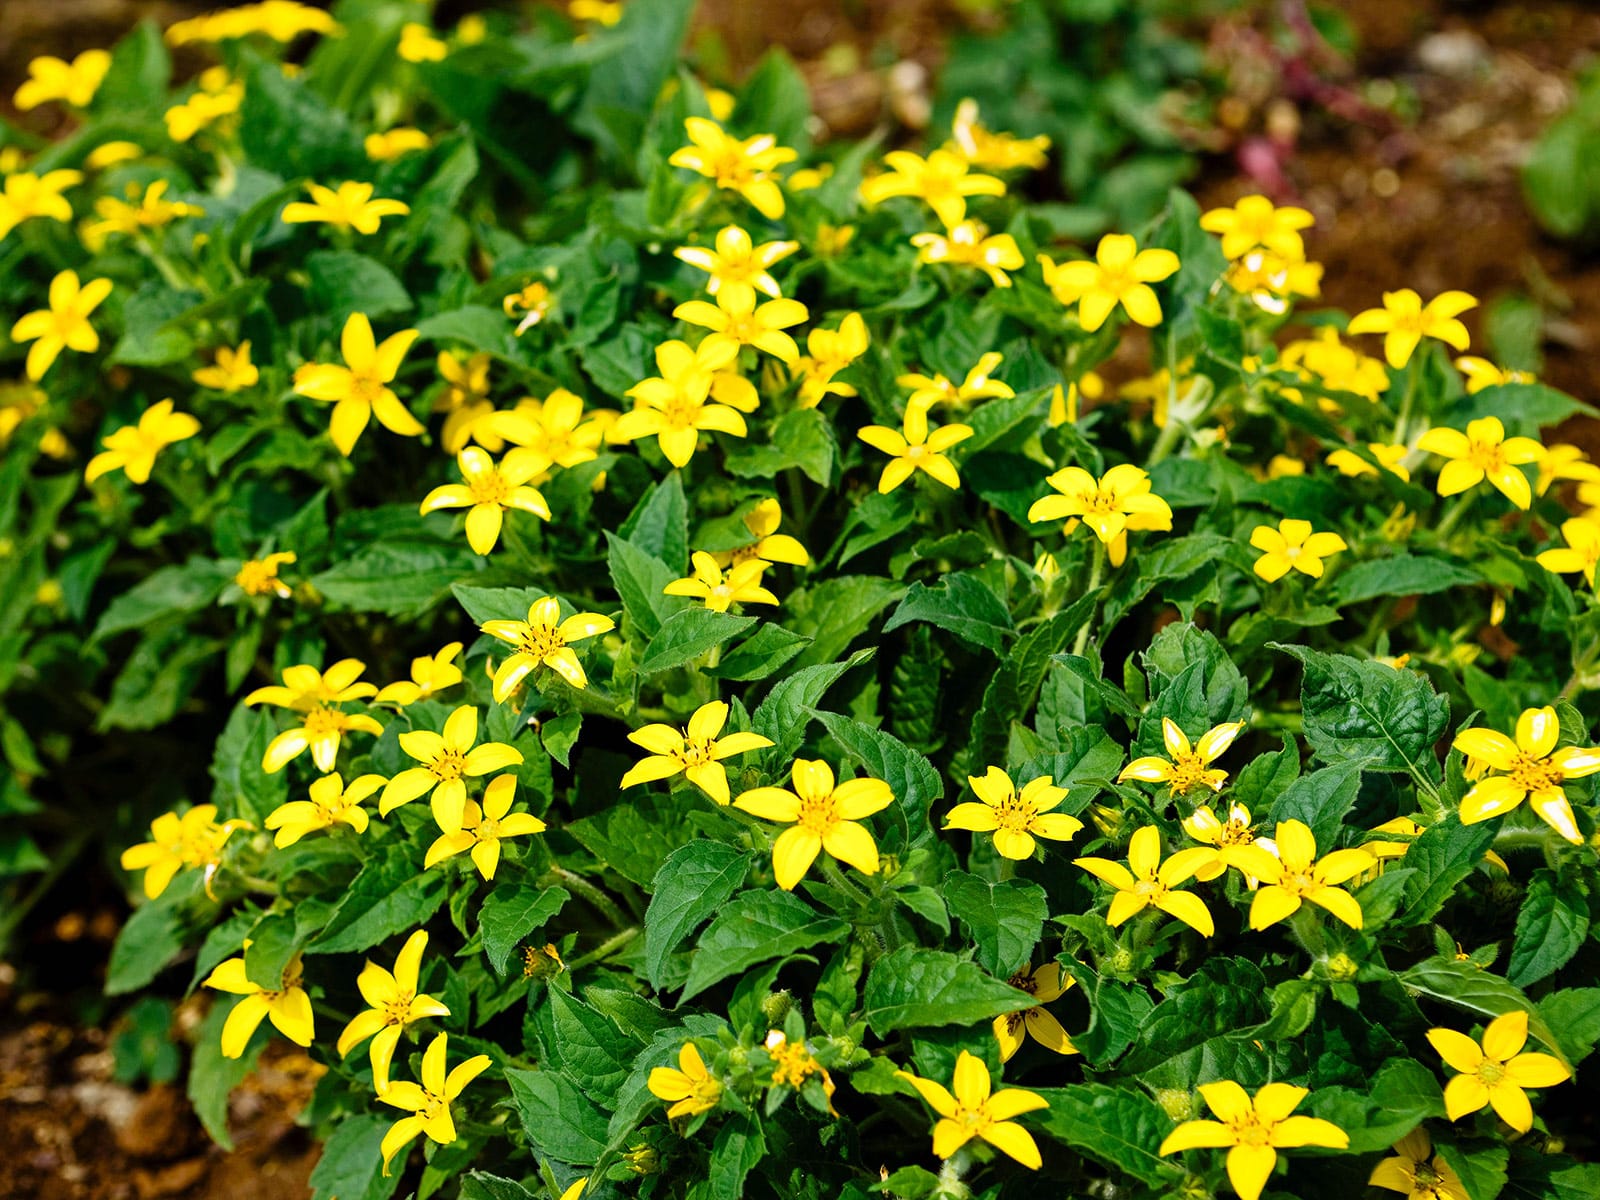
[(596, 897), (605, 949), (1096, 572), (1451, 518)]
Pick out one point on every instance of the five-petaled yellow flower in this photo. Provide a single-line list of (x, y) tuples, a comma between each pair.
[(675, 406), (313, 694), (349, 206), (259, 576), (429, 1102), (1404, 321), (943, 179), (75, 83), (912, 448), (1187, 767), (718, 591), (137, 215), (737, 267), (970, 244), (1530, 768), (543, 639), (1120, 273), (997, 151), (1015, 818), (1012, 1029), (696, 751), (465, 401), (1416, 1172), (1254, 221), (770, 546), (1291, 873), (176, 843), (26, 196), (62, 326), (975, 1110), (331, 804), (1480, 373), (1483, 451), (1147, 881), (554, 428), (1497, 1072), (1253, 1131), (823, 817), (1292, 546), (928, 390), (1227, 837), (490, 489), (1119, 501), (133, 448), (448, 759), (395, 1003), (741, 166), (360, 390), (483, 828), (1390, 458), (429, 674), (1581, 553), (690, 1089), (737, 320), (831, 351), (287, 1005), (231, 370)]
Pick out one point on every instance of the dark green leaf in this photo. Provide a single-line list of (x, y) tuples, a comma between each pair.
[(915, 987)]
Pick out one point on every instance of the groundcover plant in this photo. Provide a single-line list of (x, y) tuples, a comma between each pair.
[(718, 696)]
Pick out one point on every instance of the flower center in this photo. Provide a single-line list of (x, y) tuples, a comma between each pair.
[(365, 387), (324, 720), (696, 751), (1251, 1132), (1490, 1072), (679, 413), (731, 169), (817, 814), (1535, 774), (1299, 883), (1236, 833), (1188, 770), (1015, 816), (1488, 457), (488, 488), (1151, 889), (398, 1010), (916, 451), (541, 641), (743, 328), (449, 765)]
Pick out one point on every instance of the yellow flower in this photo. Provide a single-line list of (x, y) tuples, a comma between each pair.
[(695, 752), (1292, 545), (1272, 281), (133, 448), (419, 45), (793, 1063), (1497, 1072), (232, 371), (831, 240), (1121, 273), (259, 576), (926, 391), (690, 1089), (176, 843), (1564, 461), (351, 206), (943, 179), (395, 1003), (975, 1110), (1227, 837), (137, 215), (821, 816), (673, 408), (219, 96), (1416, 1172), (1292, 873), (75, 83), (1530, 768), (490, 490), (331, 804), (1481, 373), (429, 1103), (465, 400), (995, 151), (1064, 401), (1253, 222), (1147, 881), (110, 154), (737, 267), (313, 693), (762, 521), (1582, 551), (1338, 367), (448, 758), (740, 166), (736, 320), (969, 244), (1404, 321), (62, 326), (1015, 818), (1351, 464), (1483, 451), (429, 674), (533, 302), (483, 829), (554, 429), (831, 351), (359, 390), (741, 585), (27, 196), (1044, 985), (543, 639), (395, 143), (601, 12), (1253, 1131), (913, 449), (288, 1005), (1118, 501), (575, 1188), (1280, 466), (280, 20)]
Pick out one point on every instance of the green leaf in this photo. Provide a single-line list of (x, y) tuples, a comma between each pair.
[(480, 1185), (962, 604), (1121, 1128), (212, 1078), (1005, 919), (1443, 855), (761, 655), (1014, 687), (1551, 926), (151, 939), (783, 715), (639, 578), (475, 326), (351, 1164), (497, 604), (273, 941), (1403, 1094), (740, 1145), (1481, 1166), (633, 836), (510, 914), (1218, 999), (915, 987), (659, 523), (1576, 1013), (912, 778), (400, 578), (558, 1119), (1473, 989), (1400, 575), (285, 127), (1370, 712), (165, 593), (343, 282), (1169, 560), (1321, 800), (240, 787), (390, 895), (589, 1047), (685, 636), (801, 439), (692, 884), (835, 612), (754, 928)]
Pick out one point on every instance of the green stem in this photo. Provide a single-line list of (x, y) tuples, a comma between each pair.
[(1407, 402), (605, 949), (596, 897), (1453, 516), (836, 877), (1096, 573), (1168, 439)]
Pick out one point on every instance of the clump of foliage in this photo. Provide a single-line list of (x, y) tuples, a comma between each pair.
[(715, 694)]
